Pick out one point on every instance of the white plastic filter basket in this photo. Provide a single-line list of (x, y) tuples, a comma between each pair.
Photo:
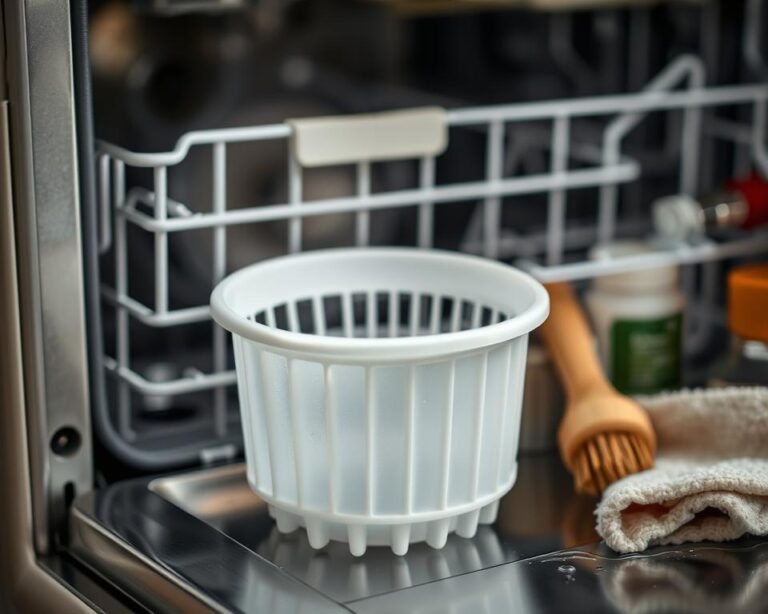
[(380, 389)]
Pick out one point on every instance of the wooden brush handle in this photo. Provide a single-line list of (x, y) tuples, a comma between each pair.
[(569, 342), (594, 408)]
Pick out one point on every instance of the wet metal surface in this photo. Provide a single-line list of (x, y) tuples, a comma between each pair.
[(542, 554), (697, 578)]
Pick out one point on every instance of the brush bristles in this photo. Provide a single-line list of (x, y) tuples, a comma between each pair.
[(607, 458)]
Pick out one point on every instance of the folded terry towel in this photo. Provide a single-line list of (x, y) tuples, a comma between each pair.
[(710, 481)]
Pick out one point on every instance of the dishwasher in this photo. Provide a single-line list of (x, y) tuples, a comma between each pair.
[(151, 148)]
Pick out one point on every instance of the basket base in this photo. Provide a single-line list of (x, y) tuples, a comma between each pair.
[(397, 536)]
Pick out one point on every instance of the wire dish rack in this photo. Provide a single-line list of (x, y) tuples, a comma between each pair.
[(578, 159)]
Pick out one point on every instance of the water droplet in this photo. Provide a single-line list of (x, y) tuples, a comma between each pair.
[(567, 569)]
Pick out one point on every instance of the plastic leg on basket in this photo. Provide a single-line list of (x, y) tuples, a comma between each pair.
[(286, 522), (437, 532), (489, 512), (467, 524), (401, 539), (357, 536), (317, 533)]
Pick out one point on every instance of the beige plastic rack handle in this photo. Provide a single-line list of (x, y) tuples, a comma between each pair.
[(392, 135)]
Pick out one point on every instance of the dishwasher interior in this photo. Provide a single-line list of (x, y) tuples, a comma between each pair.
[(530, 183), (563, 125)]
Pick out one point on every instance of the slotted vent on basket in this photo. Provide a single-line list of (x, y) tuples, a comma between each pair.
[(379, 314)]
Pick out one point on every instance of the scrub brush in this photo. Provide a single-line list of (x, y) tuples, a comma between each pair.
[(603, 436)]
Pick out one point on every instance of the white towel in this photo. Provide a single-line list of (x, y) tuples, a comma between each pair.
[(710, 480)]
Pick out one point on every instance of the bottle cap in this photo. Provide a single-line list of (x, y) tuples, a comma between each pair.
[(748, 302), (754, 190), (653, 278), (678, 217)]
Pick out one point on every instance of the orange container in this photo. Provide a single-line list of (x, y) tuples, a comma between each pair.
[(748, 302)]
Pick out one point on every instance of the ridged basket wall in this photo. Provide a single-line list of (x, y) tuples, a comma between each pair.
[(380, 389)]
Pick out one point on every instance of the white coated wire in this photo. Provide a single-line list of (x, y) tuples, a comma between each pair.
[(606, 168)]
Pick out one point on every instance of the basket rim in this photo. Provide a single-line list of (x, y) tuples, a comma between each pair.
[(382, 349)]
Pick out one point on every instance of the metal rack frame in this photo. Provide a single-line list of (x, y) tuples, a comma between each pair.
[(608, 167)]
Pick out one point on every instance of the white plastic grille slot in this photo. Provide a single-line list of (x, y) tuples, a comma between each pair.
[(372, 315), (573, 165)]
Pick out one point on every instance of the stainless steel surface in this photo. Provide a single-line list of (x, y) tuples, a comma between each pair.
[(134, 568), (702, 578), (25, 586), (173, 562), (87, 588), (47, 217), (223, 499), (206, 533)]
